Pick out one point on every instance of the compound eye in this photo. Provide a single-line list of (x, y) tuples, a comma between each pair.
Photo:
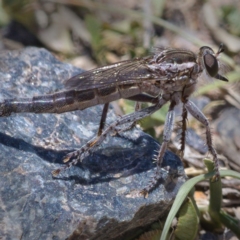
[(211, 64)]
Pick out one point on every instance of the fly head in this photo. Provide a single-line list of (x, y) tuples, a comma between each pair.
[(209, 61)]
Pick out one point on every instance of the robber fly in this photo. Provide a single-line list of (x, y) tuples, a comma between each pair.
[(168, 75)]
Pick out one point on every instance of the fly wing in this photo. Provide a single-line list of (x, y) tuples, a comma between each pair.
[(125, 72)]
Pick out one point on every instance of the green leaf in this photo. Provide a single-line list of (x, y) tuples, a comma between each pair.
[(183, 193), (215, 190), (187, 214), (230, 223), (94, 27)]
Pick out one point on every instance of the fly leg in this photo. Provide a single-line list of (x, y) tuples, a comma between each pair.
[(89, 147), (133, 124), (104, 116), (196, 113), (139, 98), (184, 129), (103, 119), (168, 127)]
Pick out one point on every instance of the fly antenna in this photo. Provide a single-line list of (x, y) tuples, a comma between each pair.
[(220, 49)]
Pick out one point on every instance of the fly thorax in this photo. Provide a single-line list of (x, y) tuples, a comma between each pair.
[(196, 72), (188, 90)]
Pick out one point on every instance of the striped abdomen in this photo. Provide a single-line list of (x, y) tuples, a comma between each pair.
[(69, 100)]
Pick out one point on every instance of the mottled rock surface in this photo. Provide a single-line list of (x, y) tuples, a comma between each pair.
[(98, 199)]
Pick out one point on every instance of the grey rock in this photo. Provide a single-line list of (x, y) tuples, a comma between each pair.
[(98, 199)]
